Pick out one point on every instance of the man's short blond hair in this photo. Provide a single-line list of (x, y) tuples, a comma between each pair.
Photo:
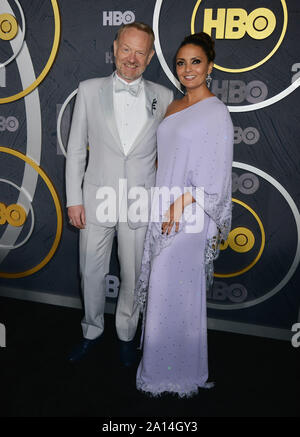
[(137, 25)]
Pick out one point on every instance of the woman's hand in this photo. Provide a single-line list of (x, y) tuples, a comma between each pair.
[(174, 213)]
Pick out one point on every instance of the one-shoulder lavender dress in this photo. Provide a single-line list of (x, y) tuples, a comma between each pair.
[(195, 148)]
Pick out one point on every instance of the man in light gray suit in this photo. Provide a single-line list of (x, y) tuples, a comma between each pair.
[(116, 117)]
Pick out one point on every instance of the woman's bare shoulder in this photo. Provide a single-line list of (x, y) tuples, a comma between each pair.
[(174, 106)]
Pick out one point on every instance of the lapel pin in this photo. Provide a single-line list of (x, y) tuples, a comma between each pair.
[(153, 106)]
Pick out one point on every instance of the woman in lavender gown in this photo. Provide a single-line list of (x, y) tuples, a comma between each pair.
[(195, 148)]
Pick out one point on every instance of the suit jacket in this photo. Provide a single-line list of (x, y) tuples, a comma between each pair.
[(94, 125)]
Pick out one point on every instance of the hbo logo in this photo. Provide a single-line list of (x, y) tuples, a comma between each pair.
[(249, 136), (234, 23), (117, 18), (237, 91), (112, 284), (220, 291), (10, 123), (8, 27), (247, 183)]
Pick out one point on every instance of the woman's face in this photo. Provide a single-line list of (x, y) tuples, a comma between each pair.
[(192, 66)]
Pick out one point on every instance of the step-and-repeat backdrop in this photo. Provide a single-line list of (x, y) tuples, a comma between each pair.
[(48, 46)]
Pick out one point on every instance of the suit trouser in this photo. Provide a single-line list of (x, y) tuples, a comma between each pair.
[(95, 246)]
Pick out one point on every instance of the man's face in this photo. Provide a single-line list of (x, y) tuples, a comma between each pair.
[(133, 52)]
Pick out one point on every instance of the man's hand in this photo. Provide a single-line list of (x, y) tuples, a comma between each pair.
[(76, 215)]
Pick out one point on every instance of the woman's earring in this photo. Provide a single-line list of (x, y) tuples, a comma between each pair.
[(208, 80)]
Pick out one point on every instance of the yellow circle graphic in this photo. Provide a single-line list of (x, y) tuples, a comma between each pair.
[(261, 249), (8, 27), (241, 240), (49, 63), (265, 59), (58, 213)]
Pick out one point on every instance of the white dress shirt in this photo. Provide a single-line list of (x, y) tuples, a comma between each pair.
[(130, 113), (131, 117)]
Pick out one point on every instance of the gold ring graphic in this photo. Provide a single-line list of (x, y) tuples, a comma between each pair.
[(58, 213), (49, 63)]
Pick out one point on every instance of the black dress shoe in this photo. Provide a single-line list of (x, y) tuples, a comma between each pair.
[(82, 349), (128, 353)]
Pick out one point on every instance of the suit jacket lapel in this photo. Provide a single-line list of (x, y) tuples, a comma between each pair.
[(107, 103)]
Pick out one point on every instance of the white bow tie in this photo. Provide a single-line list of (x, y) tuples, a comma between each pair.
[(132, 89)]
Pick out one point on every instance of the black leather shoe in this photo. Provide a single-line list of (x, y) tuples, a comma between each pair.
[(128, 353), (82, 349)]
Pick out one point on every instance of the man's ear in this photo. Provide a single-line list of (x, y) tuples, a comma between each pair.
[(150, 56), (115, 47)]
